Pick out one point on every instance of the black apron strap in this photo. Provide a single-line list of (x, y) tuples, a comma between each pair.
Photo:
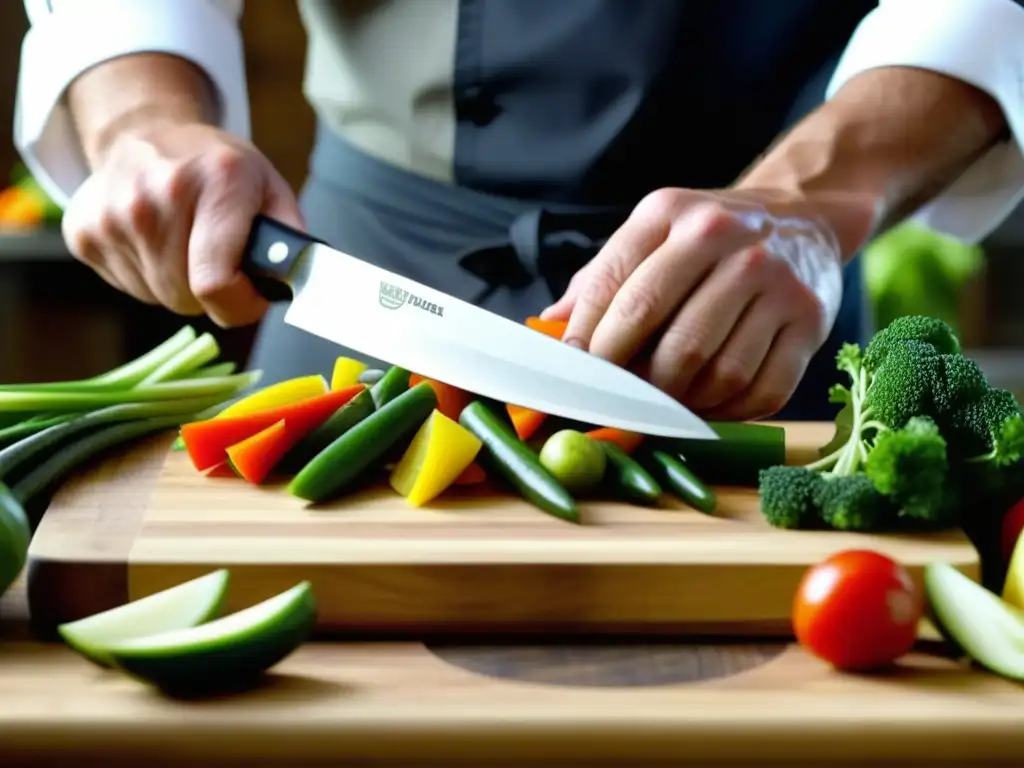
[(541, 244)]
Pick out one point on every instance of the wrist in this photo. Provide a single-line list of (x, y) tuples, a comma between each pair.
[(141, 124), (888, 142), (132, 95)]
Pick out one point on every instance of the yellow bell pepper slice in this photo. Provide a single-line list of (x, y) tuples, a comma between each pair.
[(346, 372), (283, 393), (438, 454)]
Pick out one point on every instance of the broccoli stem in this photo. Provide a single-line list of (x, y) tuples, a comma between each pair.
[(848, 457)]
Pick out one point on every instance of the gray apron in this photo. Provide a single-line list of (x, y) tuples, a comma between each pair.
[(511, 256), (574, 103)]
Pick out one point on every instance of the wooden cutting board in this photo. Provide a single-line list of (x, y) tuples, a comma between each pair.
[(476, 562)]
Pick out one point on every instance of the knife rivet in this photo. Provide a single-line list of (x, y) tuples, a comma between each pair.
[(277, 252)]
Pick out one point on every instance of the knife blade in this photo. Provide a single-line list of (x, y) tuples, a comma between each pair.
[(379, 313)]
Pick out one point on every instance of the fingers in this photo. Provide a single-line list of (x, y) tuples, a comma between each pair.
[(703, 325), (732, 369), (223, 216), (562, 309), (614, 318), (224, 211), (645, 229), (776, 380), (95, 236), (163, 210)]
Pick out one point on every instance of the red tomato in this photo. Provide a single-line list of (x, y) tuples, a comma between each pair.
[(1013, 524), (857, 610)]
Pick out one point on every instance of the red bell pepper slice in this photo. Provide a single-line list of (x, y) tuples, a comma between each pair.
[(207, 441), (471, 475), (256, 456), (627, 441), (450, 400)]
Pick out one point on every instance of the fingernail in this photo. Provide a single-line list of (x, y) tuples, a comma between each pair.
[(573, 343)]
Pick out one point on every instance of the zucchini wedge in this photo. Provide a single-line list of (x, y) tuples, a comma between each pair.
[(514, 460)]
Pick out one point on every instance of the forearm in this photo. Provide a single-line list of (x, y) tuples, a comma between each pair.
[(892, 138), (129, 91)]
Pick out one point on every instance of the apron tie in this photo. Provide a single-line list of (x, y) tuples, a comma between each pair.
[(541, 245)]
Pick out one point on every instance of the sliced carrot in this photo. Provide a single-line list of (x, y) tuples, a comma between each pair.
[(207, 441), (450, 400), (553, 328), (525, 420), (627, 441), (254, 457), (471, 475)]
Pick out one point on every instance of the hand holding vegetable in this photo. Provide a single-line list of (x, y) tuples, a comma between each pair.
[(731, 293)]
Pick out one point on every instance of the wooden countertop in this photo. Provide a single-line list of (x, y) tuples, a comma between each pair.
[(752, 703)]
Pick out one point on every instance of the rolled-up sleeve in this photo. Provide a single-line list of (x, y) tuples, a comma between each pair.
[(980, 42), (67, 37)]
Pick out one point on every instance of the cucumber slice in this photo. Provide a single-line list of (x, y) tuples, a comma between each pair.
[(508, 456), (391, 385), (343, 462), (186, 605), (976, 621), (626, 478), (351, 413), (224, 653), (677, 478)]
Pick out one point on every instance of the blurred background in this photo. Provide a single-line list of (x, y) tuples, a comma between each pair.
[(62, 321)]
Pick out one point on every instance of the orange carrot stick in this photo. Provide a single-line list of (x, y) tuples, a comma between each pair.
[(627, 441)]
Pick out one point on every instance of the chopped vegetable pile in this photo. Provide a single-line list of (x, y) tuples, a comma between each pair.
[(396, 428), (920, 431)]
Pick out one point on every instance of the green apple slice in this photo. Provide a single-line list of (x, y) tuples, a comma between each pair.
[(186, 605), (224, 653), (984, 626)]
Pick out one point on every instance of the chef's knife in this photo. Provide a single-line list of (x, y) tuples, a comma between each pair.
[(381, 314)]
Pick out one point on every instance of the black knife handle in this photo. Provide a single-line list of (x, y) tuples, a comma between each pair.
[(270, 254)]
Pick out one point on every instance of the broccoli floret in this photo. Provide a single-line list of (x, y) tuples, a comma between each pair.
[(930, 330), (956, 380), (989, 428), (850, 502), (920, 433), (909, 466), (787, 496), (902, 386)]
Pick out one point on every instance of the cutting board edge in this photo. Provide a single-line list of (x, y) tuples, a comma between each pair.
[(377, 598)]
